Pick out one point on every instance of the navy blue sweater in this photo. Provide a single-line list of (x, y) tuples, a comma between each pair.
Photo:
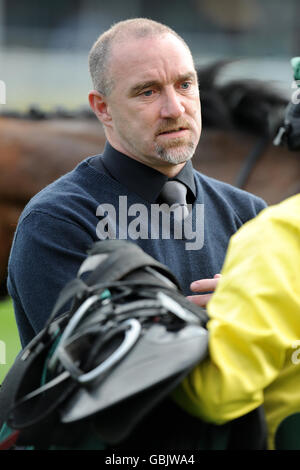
[(61, 222)]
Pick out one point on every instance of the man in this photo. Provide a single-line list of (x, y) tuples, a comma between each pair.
[(146, 96), (254, 328)]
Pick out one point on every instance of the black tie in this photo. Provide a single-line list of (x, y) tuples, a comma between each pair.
[(174, 192)]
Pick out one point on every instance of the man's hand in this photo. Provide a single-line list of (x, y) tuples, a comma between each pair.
[(203, 285)]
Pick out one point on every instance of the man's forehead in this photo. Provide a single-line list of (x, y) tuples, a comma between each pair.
[(144, 60), (135, 49)]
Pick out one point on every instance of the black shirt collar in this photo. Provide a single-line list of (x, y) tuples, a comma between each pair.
[(142, 179)]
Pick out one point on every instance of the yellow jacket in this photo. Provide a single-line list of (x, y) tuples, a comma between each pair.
[(254, 327)]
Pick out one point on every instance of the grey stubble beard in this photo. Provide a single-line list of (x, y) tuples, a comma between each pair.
[(177, 153)]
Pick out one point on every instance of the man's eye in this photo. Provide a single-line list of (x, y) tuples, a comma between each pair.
[(148, 93), (185, 85)]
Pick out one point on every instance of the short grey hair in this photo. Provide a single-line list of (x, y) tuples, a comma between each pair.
[(100, 52)]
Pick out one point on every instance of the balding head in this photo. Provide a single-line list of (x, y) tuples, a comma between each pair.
[(101, 52)]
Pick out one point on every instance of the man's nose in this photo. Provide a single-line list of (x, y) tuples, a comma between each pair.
[(172, 106)]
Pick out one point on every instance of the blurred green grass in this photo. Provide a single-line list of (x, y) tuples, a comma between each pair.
[(9, 337)]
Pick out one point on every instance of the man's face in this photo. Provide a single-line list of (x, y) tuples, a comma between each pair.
[(154, 105)]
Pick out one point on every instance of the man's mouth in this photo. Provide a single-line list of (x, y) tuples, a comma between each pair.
[(173, 131)]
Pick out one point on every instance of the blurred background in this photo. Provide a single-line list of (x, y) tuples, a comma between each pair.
[(44, 45), (43, 63)]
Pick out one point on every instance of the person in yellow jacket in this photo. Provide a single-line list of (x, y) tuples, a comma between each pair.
[(254, 326)]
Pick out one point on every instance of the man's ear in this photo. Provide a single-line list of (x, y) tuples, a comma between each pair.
[(99, 105)]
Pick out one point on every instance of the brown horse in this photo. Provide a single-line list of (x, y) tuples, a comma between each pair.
[(32, 154), (240, 120)]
